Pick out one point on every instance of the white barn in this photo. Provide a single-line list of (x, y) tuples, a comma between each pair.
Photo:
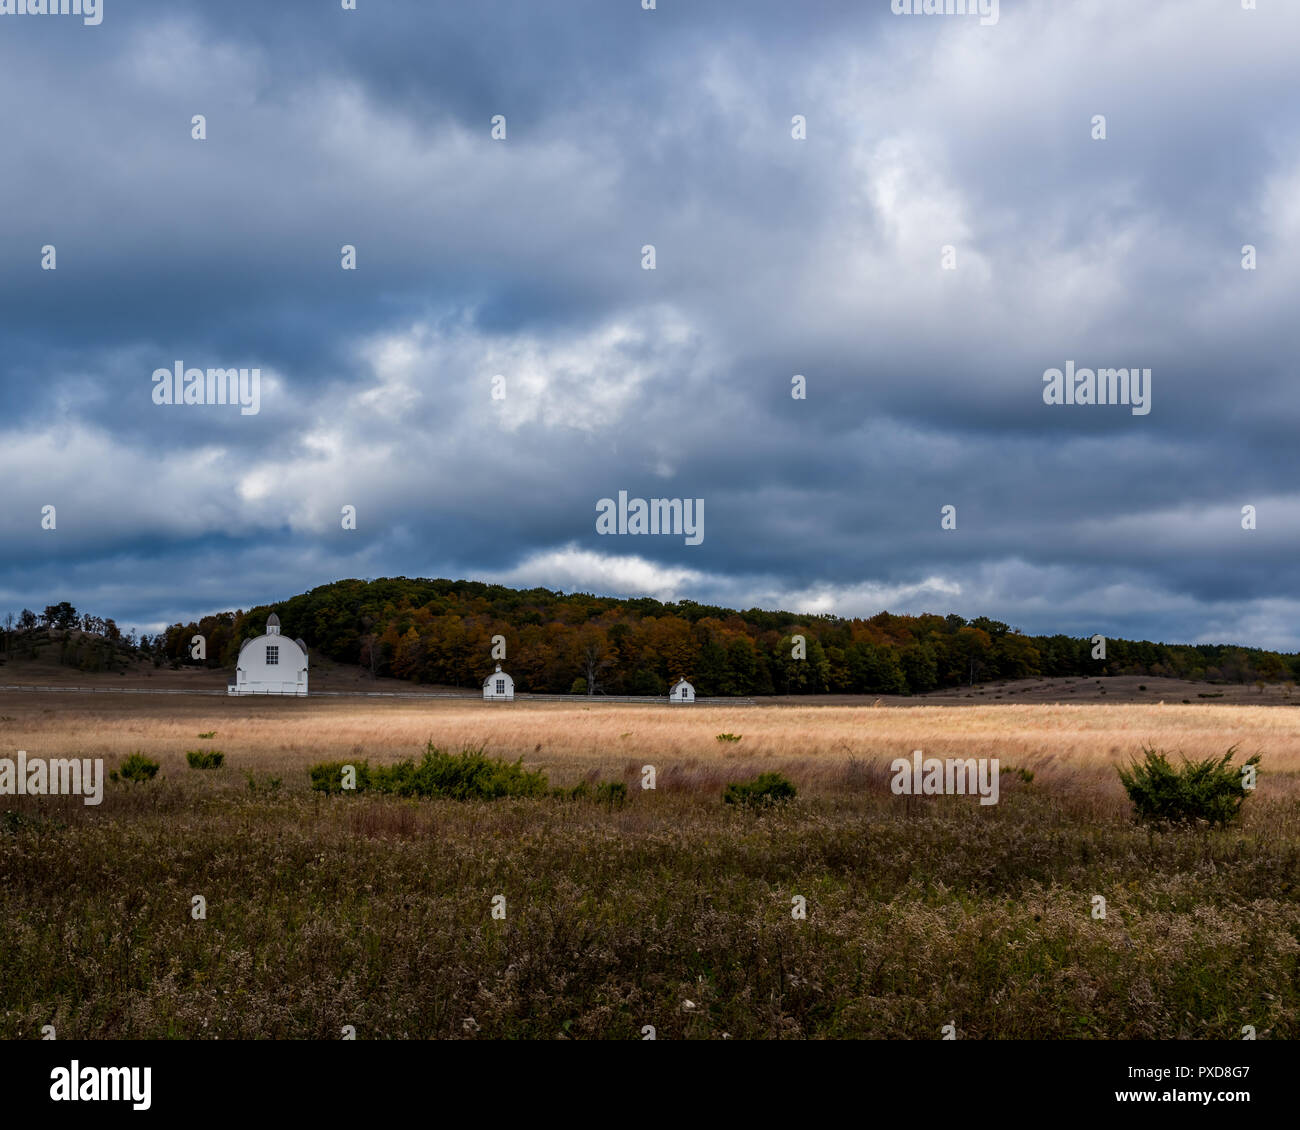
[(271, 664), (682, 692), (499, 686)]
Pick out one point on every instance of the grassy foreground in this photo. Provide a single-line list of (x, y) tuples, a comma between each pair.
[(376, 912)]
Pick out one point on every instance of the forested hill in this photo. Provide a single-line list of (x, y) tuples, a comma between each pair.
[(437, 631)]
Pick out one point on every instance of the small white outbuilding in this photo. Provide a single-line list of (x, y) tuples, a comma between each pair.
[(682, 692), (271, 664), (499, 686)]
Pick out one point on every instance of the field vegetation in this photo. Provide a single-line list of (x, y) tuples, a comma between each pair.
[(631, 908)]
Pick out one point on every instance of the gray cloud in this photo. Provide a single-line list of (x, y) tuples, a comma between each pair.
[(775, 257)]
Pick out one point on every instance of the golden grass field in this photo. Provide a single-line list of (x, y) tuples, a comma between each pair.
[(373, 910), (812, 743)]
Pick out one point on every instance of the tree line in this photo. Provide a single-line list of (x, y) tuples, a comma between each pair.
[(442, 632), (85, 641)]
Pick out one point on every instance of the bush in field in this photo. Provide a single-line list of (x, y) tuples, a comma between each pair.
[(465, 776), (461, 776), (611, 793), (204, 758), (137, 767), (729, 737), (327, 776), (765, 789), (1212, 790)]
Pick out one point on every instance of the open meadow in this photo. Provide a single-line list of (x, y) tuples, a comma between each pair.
[(671, 909)]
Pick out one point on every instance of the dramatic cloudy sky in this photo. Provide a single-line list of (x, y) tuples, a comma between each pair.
[(775, 257)]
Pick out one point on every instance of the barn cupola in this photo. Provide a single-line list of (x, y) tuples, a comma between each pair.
[(273, 625)]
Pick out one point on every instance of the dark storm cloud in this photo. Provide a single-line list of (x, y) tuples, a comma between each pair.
[(775, 257)]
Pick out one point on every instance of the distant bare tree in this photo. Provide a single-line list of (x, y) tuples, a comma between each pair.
[(369, 643), (369, 646), (594, 656)]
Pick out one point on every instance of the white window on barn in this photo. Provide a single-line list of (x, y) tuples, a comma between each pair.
[(501, 686), (683, 692), (272, 655)]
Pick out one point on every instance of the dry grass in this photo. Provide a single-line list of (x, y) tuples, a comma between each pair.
[(814, 743), (374, 911)]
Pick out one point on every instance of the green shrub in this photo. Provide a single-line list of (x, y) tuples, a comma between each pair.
[(327, 776), (137, 767), (729, 737), (204, 758), (465, 776), (611, 793), (1026, 775), (468, 775), (765, 789), (209, 734), (1211, 790)]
